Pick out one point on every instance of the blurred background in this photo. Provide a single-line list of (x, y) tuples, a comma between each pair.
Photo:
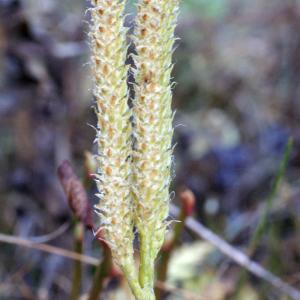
[(237, 102)]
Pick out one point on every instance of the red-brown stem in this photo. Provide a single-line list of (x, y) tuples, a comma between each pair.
[(187, 200)]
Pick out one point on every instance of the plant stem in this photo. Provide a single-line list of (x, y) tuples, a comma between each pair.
[(167, 251), (78, 245), (101, 273), (146, 271), (138, 292), (261, 228), (162, 270)]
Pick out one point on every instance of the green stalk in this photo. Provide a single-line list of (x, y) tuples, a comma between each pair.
[(262, 225), (77, 272), (138, 292), (261, 228), (146, 271)]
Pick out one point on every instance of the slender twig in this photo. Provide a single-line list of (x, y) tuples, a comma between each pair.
[(52, 235), (48, 248), (237, 256)]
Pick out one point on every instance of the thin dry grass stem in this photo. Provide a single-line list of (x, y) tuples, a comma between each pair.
[(48, 248), (238, 256)]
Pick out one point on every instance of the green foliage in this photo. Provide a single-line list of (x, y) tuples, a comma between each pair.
[(206, 8)]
